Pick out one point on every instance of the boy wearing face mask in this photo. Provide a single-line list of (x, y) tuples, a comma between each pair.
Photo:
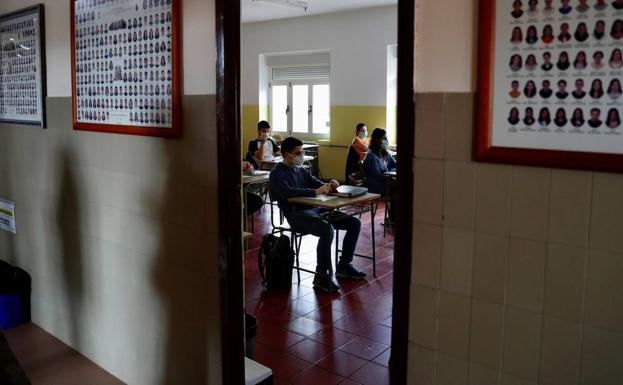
[(360, 141), (264, 147), (289, 180)]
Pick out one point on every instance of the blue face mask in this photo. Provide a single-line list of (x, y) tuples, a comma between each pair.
[(384, 144), (363, 134)]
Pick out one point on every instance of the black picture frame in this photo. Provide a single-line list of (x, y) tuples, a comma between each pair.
[(38, 11)]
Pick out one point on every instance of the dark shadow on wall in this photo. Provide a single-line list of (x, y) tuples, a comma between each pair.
[(182, 286), (7, 240), (69, 210)]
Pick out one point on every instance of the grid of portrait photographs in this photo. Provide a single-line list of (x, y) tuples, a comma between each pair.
[(22, 67), (123, 69), (560, 73)]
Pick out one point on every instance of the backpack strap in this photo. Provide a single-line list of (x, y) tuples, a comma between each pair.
[(261, 262)]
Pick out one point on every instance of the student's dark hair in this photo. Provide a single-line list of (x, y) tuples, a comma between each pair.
[(376, 141), (290, 144), (359, 127), (262, 124)]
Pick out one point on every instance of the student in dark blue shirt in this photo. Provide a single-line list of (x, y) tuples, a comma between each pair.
[(287, 180), (377, 162)]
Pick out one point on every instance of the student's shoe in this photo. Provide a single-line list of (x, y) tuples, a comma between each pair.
[(349, 271), (325, 283)]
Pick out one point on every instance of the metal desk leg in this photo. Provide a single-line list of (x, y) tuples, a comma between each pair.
[(372, 215)]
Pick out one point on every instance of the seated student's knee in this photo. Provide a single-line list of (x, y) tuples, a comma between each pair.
[(355, 223)]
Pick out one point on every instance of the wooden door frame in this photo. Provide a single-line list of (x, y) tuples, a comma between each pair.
[(227, 14)]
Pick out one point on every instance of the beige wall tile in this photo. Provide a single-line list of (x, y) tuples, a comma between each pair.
[(604, 291), (559, 352), (428, 191), (423, 316), (456, 260), (481, 375), (450, 370), (489, 269), (486, 333), (529, 202), (602, 355), (526, 274), (459, 194), (564, 284), (607, 211), (459, 113), (453, 324), (569, 207), (429, 127), (493, 198), (522, 343), (426, 255), (421, 369)]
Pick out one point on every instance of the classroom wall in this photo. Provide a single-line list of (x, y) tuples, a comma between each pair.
[(517, 271), (357, 41), (119, 232)]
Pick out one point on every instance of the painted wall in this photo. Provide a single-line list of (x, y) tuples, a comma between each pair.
[(517, 271), (119, 232), (358, 43)]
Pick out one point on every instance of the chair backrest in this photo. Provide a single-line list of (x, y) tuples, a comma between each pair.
[(354, 171)]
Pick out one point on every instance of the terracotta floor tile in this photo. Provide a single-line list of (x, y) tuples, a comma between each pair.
[(317, 376), (341, 363), (326, 315), (372, 374), (300, 306), (305, 326), (364, 348), (383, 358), (379, 333), (333, 337), (277, 339), (348, 381), (309, 350), (353, 324)]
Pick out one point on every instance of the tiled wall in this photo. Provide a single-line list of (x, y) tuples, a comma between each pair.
[(119, 234), (517, 271)]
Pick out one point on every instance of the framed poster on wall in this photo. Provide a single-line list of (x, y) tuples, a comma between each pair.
[(126, 66), (22, 66), (549, 83)]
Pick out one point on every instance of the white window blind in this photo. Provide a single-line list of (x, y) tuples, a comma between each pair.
[(301, 72)]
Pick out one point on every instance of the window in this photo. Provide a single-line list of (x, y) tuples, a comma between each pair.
[(300, 100)]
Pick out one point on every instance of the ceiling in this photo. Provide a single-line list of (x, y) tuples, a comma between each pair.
[(252, 11)]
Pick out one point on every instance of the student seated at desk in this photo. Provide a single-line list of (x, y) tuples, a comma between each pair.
[(264, 147), (360, 141), (254, 201), (288, 180), (377, 162)]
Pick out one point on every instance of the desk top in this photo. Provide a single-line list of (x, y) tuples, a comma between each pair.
[(246, 179), (307, 146), (333, 202), (390, 173), (277, 159)]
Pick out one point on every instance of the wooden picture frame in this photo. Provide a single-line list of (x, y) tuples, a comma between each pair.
[(117, 112), (494, 141), (20, 32)]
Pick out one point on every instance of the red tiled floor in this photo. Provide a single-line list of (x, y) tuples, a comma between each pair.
[(311, 337), (341, 363), (333, 337), (372, 374), (309, 350), (364, 348), (316, 376)]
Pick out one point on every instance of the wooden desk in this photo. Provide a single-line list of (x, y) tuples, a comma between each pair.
[(332, 204)]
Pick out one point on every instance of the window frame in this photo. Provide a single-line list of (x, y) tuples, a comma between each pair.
[(311, 82)]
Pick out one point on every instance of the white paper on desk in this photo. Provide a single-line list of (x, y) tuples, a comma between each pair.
[(323, 198), (7, 216)]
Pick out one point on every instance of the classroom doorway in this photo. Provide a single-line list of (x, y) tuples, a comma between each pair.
[(361, 332)]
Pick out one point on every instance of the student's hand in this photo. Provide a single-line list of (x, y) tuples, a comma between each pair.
[(334, 184), (278, 138), (247, 167), (324, 189)]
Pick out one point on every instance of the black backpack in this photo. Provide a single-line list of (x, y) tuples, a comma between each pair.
[(276, 264)]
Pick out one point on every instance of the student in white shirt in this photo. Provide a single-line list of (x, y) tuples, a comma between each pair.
[(264, 148)]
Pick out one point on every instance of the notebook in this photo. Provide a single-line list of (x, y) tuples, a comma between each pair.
[(350, 191)]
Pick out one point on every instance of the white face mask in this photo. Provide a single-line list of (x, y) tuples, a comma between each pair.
[(264, 135), (298, 160)]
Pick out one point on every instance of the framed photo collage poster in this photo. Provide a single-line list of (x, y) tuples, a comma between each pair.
[(550, 76), (126, 66), (22, 67)]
